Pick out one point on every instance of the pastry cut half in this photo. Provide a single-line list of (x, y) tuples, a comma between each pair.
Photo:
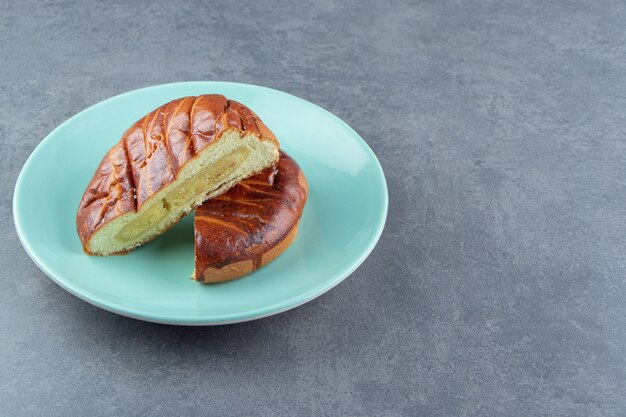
[(251, 224), (166, 165)]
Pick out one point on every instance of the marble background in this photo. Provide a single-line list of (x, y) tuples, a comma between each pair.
[(498, 286)]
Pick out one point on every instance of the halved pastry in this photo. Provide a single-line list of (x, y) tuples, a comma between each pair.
[(251, 224), (166, 165)]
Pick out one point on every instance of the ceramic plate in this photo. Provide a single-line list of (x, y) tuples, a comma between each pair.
[(341, 223)]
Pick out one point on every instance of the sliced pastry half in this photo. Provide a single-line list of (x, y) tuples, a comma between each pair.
[(166, 165), (251, 224)]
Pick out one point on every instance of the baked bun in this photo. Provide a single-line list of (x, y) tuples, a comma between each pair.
[(167, 164), (251, 224)]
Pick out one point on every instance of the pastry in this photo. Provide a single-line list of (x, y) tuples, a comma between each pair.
[(166, 165), (251, 224)]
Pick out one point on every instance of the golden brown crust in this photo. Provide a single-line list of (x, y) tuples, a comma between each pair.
[(238, 269), (251, 224), (152, 152)]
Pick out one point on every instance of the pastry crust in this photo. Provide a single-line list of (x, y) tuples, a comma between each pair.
[(251, 224), (212, 275)]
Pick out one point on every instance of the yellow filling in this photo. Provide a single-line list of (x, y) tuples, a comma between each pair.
[(206, 179)]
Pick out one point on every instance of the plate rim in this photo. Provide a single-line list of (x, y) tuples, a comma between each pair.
[(220, 319)]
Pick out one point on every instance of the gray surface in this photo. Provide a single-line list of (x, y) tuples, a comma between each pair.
[(498, 287)]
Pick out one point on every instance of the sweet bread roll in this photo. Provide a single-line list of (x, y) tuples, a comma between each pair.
[(167, 164), (251, 224)]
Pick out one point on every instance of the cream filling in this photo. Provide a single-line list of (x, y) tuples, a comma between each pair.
[(182, 196)]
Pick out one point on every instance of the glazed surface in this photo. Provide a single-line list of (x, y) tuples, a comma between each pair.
[(251, 218)]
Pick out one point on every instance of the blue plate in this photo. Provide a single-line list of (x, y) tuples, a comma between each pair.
[(342, 221)]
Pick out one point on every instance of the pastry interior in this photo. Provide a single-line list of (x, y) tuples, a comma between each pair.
[(232, 158)]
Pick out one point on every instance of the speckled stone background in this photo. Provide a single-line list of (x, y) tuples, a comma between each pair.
[(498, 287)]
